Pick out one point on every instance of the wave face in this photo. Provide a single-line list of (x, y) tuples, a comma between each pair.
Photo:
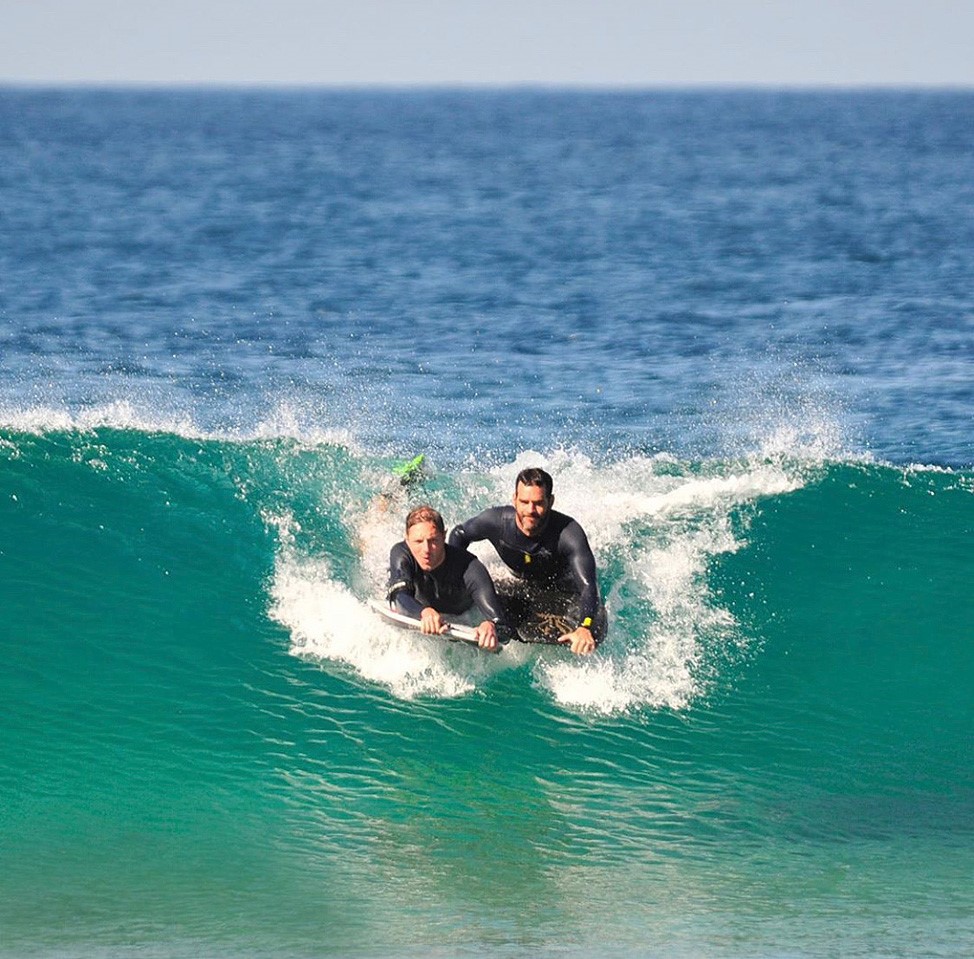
[(728, 322), (204, 721)]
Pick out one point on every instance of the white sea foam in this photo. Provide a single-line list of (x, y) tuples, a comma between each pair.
[(664, 525), (284, 421), (327, 622), (118, 414)]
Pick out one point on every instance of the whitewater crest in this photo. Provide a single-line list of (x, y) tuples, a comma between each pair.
[(284, 420)]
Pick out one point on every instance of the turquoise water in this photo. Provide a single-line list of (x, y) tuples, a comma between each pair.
[(737, 328), (212, 747)]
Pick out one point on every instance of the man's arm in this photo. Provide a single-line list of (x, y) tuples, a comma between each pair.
[(581, 564), (473, 530), (402, 585), (481, 589)]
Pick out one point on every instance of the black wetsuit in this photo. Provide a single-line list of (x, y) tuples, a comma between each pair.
[(558, 556), (459, 582)]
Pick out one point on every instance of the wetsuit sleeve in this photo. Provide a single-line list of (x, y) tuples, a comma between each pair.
[(402, 585), (581, 563), (473, 530), (481, 589)]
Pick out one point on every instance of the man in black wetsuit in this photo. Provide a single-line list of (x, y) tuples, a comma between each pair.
[(428, 578), (542, 546)]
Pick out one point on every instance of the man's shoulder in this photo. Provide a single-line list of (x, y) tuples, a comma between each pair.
[(458, 558), (562, 521), (400, 557), (565, 528), (494, 516), (458, 565), (454, 554), (399, 549)]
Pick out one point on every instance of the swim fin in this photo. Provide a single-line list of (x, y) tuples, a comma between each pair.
[(411, 471)]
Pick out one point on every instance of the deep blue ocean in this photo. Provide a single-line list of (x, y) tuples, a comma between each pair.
[(736, 326)]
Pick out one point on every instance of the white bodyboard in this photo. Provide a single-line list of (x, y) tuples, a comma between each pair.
[(465, 634)]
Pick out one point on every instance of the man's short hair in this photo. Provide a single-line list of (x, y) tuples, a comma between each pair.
[(535, 476), (425, 514)]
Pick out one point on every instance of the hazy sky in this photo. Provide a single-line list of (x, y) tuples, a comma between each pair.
[(436, 42)]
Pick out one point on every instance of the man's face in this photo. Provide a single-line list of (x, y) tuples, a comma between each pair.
[(427, 544), (531, 507)]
